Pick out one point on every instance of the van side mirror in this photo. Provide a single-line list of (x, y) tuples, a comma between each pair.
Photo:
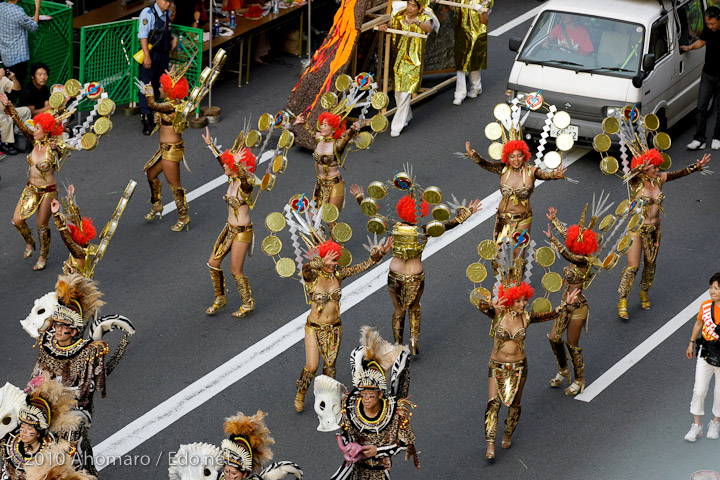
[(514, 44), (648, 62), (637, 80)]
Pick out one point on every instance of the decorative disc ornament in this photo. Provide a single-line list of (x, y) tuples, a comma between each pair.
[(275, 222), (534, 101), (476, 272)]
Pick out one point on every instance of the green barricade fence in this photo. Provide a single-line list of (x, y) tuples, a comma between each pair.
[(51, 43), (106, 52), (106, 57)]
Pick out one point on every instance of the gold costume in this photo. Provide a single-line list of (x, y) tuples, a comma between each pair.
[(175, 152), (33, 196), (509, 376), (327, 336), (230, 234), (409, 53), (330, 187), (470, 37), (649, 235), (327, 188)]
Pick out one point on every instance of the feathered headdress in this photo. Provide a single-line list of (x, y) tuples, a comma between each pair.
[(248, 444), (55, 463), (377, 359), (50, 407), (78, 300)]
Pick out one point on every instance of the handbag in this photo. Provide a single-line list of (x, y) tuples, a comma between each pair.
[(711, 350)]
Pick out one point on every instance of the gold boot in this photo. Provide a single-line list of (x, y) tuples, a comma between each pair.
[(398, 327), (303, 384), (218, 281), (155, 200), (491, 423), (182, 208), (26, 233), (646, 281), (578, 362), (44, 234), (248, 304), (415, 317), (626, 283), (510, 423), (563, 374)]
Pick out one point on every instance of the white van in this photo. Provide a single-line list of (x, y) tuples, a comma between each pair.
[(592, 57)]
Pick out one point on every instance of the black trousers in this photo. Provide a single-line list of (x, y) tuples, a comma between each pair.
[(709, 91), (160, 61)]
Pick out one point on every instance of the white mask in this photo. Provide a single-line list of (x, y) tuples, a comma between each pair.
[(328, 399), (39, 319), (196, 461), (12, 399)]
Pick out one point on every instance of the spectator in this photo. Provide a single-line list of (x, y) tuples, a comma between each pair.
[(8, 84), (156, 41), (708, 363), (35, 94), (190, 13), (710, 80), (14, 25)]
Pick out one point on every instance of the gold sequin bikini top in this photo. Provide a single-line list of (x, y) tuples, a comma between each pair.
[(326, 160), (234, 202), (573, 275), (503, 335), (519, 195), (48, 164), (322, 298)]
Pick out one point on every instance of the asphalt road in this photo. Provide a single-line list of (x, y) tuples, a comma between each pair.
[(158, 278)]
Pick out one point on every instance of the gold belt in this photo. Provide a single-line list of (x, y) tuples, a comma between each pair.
[(508, 365), (43, 188), (329, 181), (514, 216), (404, 277), (323, 326)]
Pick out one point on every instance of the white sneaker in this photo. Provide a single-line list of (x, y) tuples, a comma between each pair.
[(394, 134), (694, 433), (458, 101), (713, 432), (696, 145), (715, 144), (474, 93)]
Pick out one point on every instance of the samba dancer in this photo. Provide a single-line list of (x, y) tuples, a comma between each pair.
[(236, 237), (45, 159), (322, 280), (406, 278), (174, 88), (331, 141), (517, 182)]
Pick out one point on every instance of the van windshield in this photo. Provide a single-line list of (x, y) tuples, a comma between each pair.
[(585, 44)]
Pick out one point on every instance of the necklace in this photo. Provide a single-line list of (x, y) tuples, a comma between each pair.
[(325, 274), (366, 421), (329, 139)]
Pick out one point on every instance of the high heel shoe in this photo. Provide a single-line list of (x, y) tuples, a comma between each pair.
[(181, 224), (153, 214), (490, 452), (29, 249), (560, 378), (506, 442), (219, 304), (40, 265), (575, 388), (644, 300)]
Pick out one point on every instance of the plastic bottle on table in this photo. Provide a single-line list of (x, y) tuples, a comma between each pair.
[(276, 6), (233, 22), (180, 43), (216, 28)]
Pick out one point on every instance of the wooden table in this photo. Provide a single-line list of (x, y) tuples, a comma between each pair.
[(249, 28), (111, 12)]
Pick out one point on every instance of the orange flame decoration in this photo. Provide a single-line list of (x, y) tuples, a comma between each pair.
[(338, 46)]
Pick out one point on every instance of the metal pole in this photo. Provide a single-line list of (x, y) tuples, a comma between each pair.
[(309, 45), (210, 54)]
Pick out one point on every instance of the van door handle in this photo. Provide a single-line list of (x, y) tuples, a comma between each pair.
[(647, 92)]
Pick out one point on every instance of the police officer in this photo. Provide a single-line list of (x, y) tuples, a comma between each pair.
[(156, 41)]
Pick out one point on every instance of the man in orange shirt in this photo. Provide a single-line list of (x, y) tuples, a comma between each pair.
[(571, 36), (708, 363)]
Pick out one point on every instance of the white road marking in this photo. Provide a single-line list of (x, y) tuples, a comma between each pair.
[(246, 362), (510, 25), (639, 352)]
